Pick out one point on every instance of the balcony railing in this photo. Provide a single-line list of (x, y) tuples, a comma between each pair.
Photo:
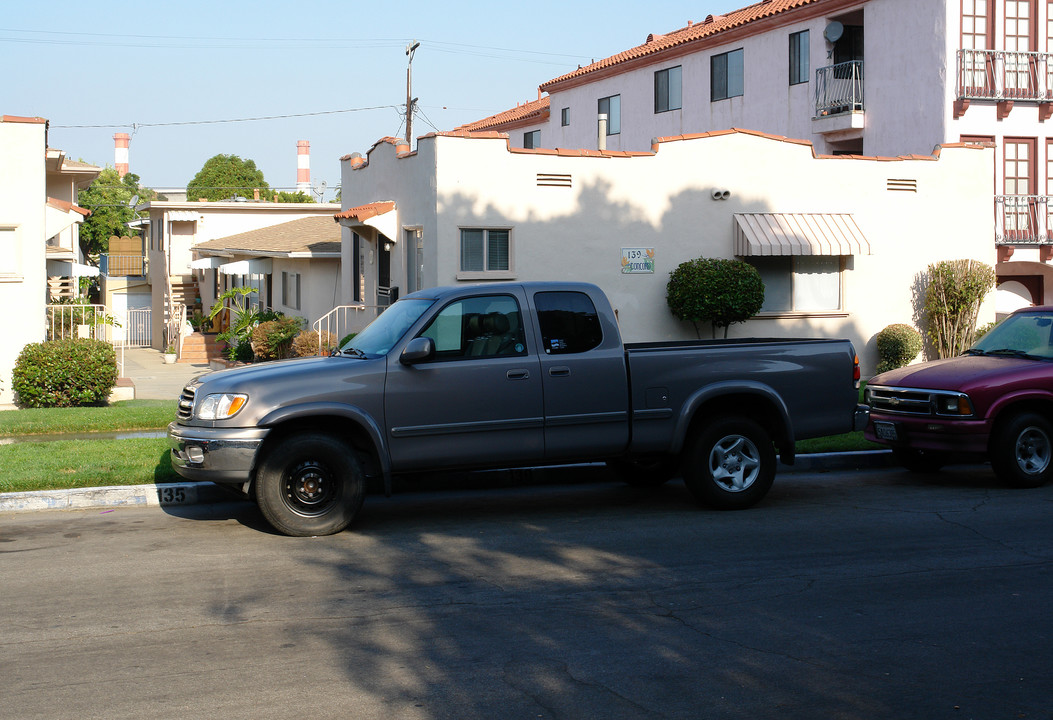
[(839, 88), (1023, 219), (1005, 75), (122, 265)]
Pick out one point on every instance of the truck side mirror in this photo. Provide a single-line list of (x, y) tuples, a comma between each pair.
[(419, 349)]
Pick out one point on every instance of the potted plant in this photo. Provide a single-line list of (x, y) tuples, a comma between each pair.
[(170, 354)]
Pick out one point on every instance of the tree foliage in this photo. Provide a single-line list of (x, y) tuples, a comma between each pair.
[(294, 197), (952, 302), (225, 176), (715, 290), (108, 198)]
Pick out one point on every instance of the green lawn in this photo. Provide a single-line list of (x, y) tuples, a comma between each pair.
[(127, 415), (65, 463)]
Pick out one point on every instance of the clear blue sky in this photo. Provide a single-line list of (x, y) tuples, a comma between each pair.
[(165, 71)]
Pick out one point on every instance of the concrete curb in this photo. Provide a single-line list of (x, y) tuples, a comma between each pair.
[(163, 495), (199, 493)]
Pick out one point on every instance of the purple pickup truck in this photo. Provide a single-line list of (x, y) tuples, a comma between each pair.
[(994, 403), (509, 375)]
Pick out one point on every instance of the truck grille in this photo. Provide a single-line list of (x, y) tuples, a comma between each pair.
[(186, 403), (912, 401)]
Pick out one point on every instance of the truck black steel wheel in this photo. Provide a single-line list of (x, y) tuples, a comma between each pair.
[(1022, 451), (310, 484), (730, 464)]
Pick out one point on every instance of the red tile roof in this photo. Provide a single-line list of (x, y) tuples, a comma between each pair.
[(364, 212), (66, 206), (527, 113), (694, 32)]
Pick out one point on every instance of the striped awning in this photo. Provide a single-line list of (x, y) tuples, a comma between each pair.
[(798, 234)]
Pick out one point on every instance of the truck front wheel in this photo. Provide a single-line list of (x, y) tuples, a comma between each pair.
[(310, 484), (1022, 451), (730, 464)]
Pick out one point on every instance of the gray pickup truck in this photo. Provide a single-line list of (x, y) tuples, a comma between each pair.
[(503, 376)]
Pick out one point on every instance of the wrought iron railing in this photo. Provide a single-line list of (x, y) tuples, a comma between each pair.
[(1023, 219), (839, 88), (1005, 75)]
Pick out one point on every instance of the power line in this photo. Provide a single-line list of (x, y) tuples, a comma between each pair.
[(137, 126)]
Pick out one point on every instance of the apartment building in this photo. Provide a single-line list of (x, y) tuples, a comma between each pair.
[(880, 78)]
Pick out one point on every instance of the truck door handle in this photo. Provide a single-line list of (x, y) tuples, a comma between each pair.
[(517, 374), (559, 371)]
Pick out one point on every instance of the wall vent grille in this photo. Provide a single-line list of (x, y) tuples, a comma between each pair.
[(902, 185), (553, 180)]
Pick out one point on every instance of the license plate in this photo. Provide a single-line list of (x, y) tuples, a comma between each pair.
[(886, 431)]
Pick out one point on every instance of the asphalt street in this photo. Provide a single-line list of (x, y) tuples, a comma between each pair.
[(869, 594)]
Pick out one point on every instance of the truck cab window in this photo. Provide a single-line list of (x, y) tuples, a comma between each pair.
[(477, 327), (568, 321)]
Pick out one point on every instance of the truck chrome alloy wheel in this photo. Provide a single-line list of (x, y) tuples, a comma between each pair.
[(309, 488), (735, 463), (1033, 451)]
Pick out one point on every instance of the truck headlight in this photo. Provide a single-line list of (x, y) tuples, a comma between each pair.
[(221, 406), (953, 405)]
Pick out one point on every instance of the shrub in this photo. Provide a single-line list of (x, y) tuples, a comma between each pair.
[(273, 339), (715, 290), (347, 338), (64, 373), (897, 345), (306, 343), (952, 301)]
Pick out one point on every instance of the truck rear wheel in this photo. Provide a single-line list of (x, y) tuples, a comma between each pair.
[(310, 484), (730, 464), (1022, 451)]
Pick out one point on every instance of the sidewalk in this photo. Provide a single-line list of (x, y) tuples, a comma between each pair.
[(153, 379)]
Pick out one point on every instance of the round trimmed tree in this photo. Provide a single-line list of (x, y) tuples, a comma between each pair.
[(715, 290)]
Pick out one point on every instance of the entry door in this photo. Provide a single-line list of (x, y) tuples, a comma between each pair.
[(479, 402)]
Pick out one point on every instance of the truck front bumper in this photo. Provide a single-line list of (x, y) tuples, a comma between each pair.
[(220, 455), (959, 437)]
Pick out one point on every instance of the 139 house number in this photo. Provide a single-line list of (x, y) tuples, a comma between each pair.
[(171, 495)]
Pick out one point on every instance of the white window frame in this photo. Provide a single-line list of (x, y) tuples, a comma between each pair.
[(799, 284), (291, 289), (10, 253), (486, 274)]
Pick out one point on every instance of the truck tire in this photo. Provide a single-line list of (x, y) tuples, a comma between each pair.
[(730, 464), (1022, 451), (644, 472), (310, 484)]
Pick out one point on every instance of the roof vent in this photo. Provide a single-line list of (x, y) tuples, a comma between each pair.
[(902, 185), (554, 180)]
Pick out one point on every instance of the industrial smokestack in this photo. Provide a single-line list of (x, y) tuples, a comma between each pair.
[(120, 153), (303, 167)]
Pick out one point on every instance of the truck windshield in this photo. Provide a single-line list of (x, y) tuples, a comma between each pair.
[(1022, 335), (381, 335)]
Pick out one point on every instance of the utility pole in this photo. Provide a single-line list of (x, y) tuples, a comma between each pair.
[(410, 100)]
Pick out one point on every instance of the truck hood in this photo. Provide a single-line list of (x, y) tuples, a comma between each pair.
[(270, 386), (964, 373)]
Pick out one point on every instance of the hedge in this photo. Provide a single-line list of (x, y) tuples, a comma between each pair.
[(65, 373)]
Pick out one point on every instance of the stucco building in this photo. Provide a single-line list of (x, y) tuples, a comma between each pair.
[(38, 233), (862, 77), (841, 242)]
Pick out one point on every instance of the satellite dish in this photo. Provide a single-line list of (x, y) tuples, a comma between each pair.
[(834, 31)]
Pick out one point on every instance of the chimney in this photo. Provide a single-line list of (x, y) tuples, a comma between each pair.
[(303, 167), (120, 153)]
